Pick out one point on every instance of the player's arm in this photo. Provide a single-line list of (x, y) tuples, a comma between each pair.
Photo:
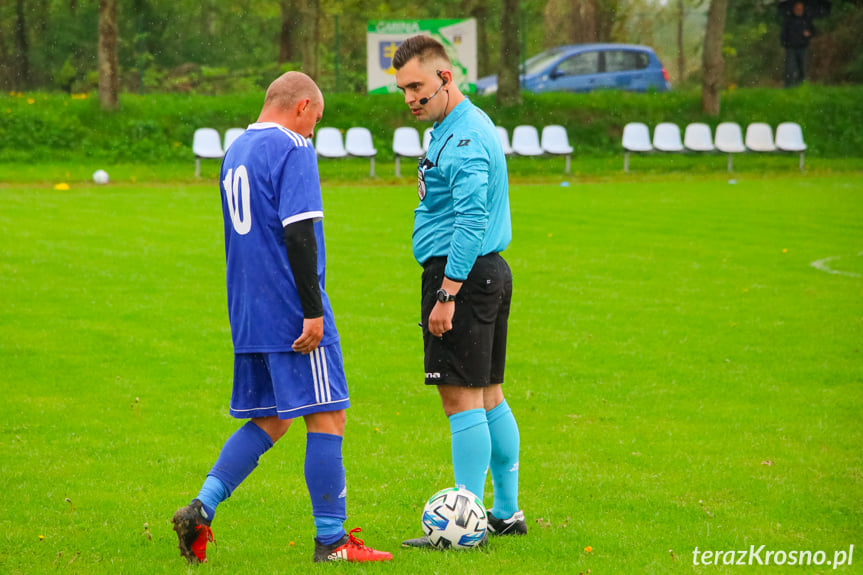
[(469, 187), (470, 193), (302, 249)]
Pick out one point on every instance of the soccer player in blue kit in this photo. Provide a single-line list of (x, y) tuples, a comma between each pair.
[(287, 359), (460, 227)]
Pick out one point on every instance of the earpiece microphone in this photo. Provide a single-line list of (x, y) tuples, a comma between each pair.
[(424, 101)]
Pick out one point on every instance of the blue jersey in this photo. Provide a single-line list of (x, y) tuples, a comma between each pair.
[(269, 180), (464, 193)]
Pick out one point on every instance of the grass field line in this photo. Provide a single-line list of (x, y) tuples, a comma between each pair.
[(821, 265)]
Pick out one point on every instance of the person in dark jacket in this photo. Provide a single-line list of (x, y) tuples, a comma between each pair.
[(797, 30)]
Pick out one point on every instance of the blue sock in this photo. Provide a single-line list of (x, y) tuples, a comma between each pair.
[(504, 460), (238, 459), (325, 479), (471, 449)]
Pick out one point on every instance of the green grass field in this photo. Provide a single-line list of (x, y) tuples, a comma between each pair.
[(682, 375)]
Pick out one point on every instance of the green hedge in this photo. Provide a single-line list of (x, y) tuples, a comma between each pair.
[(159, 127)]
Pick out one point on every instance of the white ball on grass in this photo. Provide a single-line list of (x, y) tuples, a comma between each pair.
[(454, 518), (100, 177)]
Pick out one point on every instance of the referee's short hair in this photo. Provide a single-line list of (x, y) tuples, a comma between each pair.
[(422, 47)]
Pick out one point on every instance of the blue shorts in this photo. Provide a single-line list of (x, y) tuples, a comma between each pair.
[(289, 384)]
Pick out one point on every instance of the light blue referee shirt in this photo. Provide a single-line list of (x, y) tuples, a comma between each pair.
[(464, 193)]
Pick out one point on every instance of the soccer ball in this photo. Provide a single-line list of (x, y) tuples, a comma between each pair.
[(454, 518), (100, 177)]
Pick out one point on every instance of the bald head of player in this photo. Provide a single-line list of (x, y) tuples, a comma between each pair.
[(294, 101), (424, 74)]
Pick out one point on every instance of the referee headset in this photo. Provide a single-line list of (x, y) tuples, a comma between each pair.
[(424, 101)]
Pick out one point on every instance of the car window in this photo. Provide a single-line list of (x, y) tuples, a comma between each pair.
[(581, 63), (540, 62), (624, 60)]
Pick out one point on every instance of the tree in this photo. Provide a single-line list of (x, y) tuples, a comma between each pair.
[(479, 10), (22, 47), (681, 57), (109, 80), (311, 37), (291, 21), (579, 21), (508, 78), (712, 60)]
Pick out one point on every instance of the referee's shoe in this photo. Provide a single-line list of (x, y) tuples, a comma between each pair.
[(515, 525)]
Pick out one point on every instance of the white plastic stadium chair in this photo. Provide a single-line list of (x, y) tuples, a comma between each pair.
[(427, 138), (759, 137), (729, 140), (636, 138), (328, 143), (525, 141), (666, 137), (406, 143), (556, 141), (504, 140), (697, 138), (207, 144), (231, 135), (358, 142), (789, 138)]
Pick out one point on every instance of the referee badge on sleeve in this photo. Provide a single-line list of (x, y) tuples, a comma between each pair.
[(424, 164)]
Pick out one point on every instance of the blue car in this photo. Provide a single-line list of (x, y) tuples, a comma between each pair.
[(588, 67)]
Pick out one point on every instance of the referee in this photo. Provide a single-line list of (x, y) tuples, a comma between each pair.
[(460, 227)]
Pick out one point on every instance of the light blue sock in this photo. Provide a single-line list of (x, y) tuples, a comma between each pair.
[(471, 449), (238, 458), (325, 479), (505, 443), (212, 493)]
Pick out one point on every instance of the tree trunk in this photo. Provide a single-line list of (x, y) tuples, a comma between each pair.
[(291, 21), (479, 11), (585, 15), (5, 83), (508, 81), (605, 13), (712, 62), (681, 58), (109, 81), (311, 37), (21, 72), (579, 21), (560, 23)]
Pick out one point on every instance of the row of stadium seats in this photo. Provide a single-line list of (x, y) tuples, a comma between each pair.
[(526, 141), (698, 138), (406, 143)]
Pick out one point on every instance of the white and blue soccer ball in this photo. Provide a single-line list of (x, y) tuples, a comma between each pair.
[(100, 177), (454, 518)]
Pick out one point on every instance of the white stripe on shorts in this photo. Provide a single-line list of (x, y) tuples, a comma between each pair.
[(320, 377)]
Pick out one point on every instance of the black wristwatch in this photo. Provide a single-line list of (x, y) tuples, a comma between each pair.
[(444, 297)]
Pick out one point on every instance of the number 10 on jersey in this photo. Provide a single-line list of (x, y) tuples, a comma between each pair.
[(236, 186)]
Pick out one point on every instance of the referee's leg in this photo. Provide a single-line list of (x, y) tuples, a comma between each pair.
[(505, 446)]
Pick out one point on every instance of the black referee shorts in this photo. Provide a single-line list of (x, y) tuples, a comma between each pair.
[(473, 353)]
